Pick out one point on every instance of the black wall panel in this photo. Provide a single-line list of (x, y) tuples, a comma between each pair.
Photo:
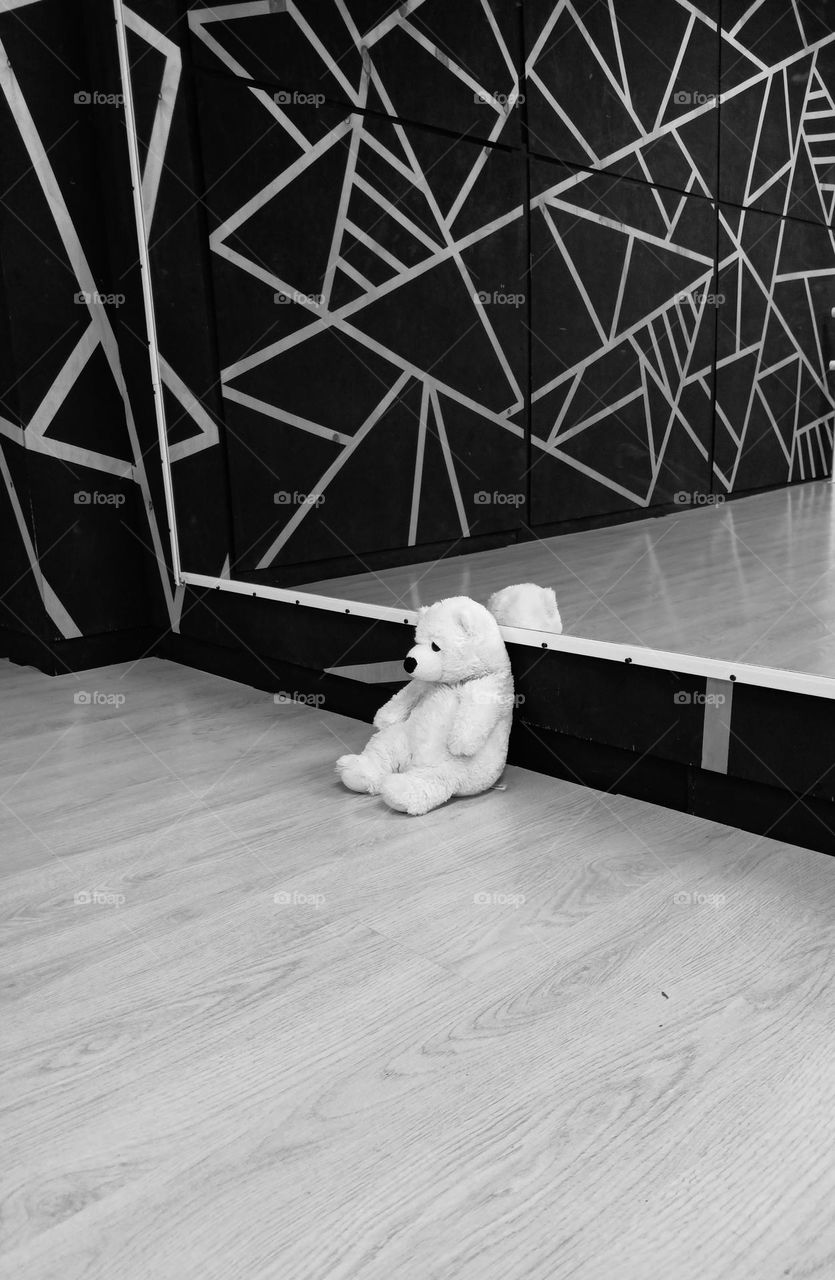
[(778, 107), (623, 343), (77, 495), (454, 66), (362, 354), (631, 88), (773, 406)]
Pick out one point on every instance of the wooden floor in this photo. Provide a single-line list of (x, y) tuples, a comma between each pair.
[(750, 581), (542, 1033)]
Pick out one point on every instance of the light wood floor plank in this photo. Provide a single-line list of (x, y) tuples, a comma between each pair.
[(542, 1033)]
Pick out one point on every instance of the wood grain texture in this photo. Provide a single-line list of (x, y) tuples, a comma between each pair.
[(543, 1033), (750, 581)]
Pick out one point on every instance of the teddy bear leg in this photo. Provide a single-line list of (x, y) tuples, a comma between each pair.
[(418, 790), (387, 751)]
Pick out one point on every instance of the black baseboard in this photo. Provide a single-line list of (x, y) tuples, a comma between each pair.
[(60, 657), (749, 806)]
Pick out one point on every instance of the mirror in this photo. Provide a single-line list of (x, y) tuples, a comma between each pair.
[(452, 297)]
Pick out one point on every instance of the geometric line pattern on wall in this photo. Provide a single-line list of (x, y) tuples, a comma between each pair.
[(635, 363), (462, 72), (393, 230), (98, 336), (772, 387), (777, 107), (152, 171), (624, 87), (350, 214)]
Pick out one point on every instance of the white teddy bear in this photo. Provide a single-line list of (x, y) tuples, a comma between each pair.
[(446, 732), (526, 605)]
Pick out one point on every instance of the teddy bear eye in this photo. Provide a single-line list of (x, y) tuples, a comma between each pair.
[(436, 648)]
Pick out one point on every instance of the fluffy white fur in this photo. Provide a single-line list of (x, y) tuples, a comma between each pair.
[(526, 605), (445, 733)]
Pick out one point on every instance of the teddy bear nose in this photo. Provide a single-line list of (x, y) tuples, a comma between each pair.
[(410, 664)]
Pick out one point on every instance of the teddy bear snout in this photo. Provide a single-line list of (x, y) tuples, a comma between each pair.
[(409, 664)]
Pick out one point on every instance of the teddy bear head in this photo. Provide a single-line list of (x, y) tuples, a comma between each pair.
[(526, 605), (456, 639)]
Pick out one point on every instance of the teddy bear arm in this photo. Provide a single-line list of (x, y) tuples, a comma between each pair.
[(398, 707), (479, 711)]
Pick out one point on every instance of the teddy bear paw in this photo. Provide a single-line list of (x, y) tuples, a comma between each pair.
[(412, 795), (356, 774), (460, 744)]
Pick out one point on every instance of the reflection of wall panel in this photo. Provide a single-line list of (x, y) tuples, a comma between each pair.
[(774, 412), (372, 346), (623, 344), (632, 89), (778, 109)]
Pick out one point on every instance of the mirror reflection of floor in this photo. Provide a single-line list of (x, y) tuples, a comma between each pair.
[(751, 580)]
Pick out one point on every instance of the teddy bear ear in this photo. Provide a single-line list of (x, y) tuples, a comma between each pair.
[(465, 619), (551, 597)]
